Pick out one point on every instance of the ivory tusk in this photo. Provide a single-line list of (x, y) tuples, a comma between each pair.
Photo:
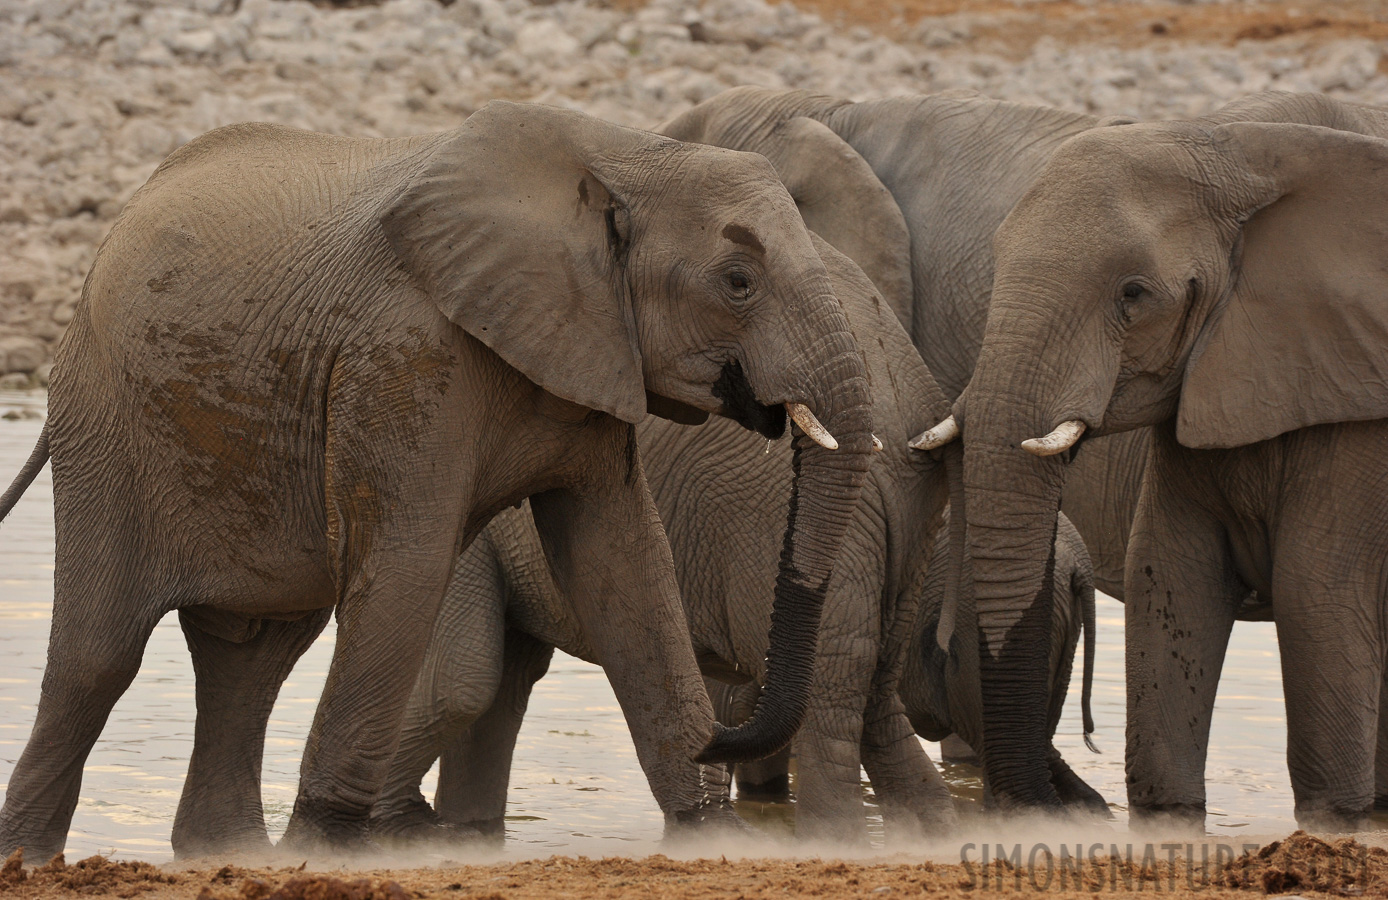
[(802, 416), (877, 444), (938, 436), (1063, 438)]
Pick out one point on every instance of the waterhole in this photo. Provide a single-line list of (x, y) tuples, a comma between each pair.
[(575, 785)]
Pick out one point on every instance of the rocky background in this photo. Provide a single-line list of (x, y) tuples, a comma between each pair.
[(94, 93)]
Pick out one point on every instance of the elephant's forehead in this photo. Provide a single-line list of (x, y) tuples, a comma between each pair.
[(1127, 159)]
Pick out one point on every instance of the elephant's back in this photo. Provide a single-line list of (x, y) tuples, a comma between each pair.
[(244, 214), (196, 368), (956, 166)]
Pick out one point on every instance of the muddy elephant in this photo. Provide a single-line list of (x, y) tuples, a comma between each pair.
[(307, 370), (718, 490), (929, 688), (1219, 281)]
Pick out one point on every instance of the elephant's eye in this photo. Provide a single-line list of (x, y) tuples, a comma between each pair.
[(1132, 290), (740, 284)]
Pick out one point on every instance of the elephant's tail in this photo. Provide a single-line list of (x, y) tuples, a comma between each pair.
[(26, 475), (1087, 612)]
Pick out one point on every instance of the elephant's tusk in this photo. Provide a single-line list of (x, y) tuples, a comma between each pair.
[(1063, 438), (802, 416), (936, 437), (877, 444)]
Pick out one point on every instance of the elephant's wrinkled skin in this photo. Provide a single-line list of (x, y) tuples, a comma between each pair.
[(930, 692), (912, 189), (307, 370), (720, 492), (1221, 280)]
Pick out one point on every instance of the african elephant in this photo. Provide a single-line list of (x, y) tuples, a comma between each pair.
[(912, 189), (718, 490), (1220, 281), (929, 688), (307, 370)]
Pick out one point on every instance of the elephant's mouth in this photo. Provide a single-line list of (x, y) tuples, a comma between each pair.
[(740, 403)]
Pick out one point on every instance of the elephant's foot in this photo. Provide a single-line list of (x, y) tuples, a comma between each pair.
[(1168, 819), (775, 789), (212, 841), (711, 819), (489, 832), (316, 827), (415, 823), (906, 828), (1326, 820), (38, 846)]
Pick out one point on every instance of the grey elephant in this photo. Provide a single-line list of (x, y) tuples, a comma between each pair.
[(718, 490), (1220, 281), (929, 689), (912, 189), (307, 370)]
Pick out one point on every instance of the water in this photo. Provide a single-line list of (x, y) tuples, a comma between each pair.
[(575, 784)]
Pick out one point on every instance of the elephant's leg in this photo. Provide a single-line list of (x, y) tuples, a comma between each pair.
[(475, 768), (828, 761), (828, 767), (98, 636), (456, 685), (236, 683), (384, 623), (915, 800), (1182, 594), (396, 503), (828, 749), (1328, 634), (609, 557), (765, 780)]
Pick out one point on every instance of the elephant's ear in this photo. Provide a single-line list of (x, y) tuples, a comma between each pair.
[(841, 199), (516, 226), (1302, 338)]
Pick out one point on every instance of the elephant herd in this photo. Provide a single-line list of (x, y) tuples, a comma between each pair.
[(1026, 353)]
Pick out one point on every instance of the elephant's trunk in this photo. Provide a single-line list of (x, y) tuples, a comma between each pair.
[(1020, 390), (824, 493), (1011, 538), (1041, 368)]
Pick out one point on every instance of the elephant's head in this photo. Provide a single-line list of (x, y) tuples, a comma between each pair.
[(629, 272), (1230, 278), (839, 196)]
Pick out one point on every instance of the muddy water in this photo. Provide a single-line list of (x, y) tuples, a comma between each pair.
[(575, 786)]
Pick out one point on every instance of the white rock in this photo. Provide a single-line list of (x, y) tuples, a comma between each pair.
[(546, 40), (201, 42)]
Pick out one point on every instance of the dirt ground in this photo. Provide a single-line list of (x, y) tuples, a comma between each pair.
[(1013, 27), (1298, 864)]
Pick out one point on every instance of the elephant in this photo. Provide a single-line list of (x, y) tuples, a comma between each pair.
[(912, 189), (307, 370), (718, 490), (1218, 282), (928, 689)]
